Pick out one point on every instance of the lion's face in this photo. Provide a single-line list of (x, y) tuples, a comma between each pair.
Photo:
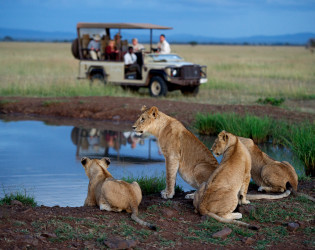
[(146, 120), (93, 167), (220, 144)]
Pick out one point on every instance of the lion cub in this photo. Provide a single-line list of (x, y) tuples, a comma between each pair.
[(268, 174), (183, 152), (111, 194), (228, 185)]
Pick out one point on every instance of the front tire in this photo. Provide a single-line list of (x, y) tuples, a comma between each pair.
[(157, 87)]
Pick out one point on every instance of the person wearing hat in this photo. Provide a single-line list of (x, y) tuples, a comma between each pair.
[(94, 47)]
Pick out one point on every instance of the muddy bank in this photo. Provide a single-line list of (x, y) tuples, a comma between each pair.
[(126, 110)]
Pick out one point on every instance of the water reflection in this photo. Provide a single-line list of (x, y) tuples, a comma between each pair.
[(119, 145)]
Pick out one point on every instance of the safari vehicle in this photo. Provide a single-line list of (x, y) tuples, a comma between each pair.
[(158, 72)]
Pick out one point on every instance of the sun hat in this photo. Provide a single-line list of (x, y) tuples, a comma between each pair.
[(97, 37)]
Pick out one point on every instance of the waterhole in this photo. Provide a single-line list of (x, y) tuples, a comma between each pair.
[(44, 160)]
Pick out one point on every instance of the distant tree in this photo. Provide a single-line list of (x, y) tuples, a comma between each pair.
[(193, 43), (311, 44), (8, 39)]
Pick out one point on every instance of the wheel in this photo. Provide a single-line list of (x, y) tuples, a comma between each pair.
[(157, 86), (97, 79), (190, 91)]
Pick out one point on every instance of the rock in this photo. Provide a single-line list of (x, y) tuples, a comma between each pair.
[(247, 209), (169, 213), (248, 240), (49, 235), (16, 203), (116, 243), (29, 240), (293, 226), (225, 232)]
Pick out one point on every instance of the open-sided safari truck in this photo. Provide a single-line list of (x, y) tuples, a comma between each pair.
[(158, 72)]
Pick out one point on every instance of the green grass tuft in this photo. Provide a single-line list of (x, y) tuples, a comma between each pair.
[(249, 126), (19, 196), (271, 100), (151, 185)]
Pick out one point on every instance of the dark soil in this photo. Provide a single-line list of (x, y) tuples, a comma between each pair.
[(123, 109), (178, 227)]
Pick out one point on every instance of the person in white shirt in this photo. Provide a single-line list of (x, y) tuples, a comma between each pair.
[(163, 45), (131, 62), (137, 47)]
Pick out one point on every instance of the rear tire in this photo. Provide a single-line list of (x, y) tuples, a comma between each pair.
[(97, 79), (157, 87)]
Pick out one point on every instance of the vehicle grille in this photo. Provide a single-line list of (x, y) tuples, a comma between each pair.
[(190, 72)]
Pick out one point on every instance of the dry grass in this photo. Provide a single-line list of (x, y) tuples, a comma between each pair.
[(236, 74)]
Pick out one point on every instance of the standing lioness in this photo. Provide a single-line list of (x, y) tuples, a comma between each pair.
[(228, 184), (182, 150), (268, 174), (111, 194)]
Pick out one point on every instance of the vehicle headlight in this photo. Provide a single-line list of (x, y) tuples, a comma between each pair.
[(174, 72)]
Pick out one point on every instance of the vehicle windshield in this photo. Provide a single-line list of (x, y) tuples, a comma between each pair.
[(166, 58)]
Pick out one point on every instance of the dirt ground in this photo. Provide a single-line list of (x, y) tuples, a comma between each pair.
[(124, 109), (284, 224)]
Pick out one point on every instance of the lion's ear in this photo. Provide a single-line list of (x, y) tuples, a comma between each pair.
[(143, 108), (84, 161), (106, 161), (225, 137), (154, 111)]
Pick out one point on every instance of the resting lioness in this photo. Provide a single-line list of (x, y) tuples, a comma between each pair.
[(228, 184), (268, 174), (111, 194), (183, 152)]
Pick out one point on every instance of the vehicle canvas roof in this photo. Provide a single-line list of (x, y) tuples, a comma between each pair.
[(123, 26)]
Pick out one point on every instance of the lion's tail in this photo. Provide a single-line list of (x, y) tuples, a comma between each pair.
[(135, 217), (268, 196), (141, 222), (239, 223)]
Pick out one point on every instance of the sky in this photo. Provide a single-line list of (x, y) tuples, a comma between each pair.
[(211, 18)]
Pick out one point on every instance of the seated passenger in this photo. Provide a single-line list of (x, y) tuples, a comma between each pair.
[(163, 45), (94, 47), (111, 52), (131, 62), (137, 47)]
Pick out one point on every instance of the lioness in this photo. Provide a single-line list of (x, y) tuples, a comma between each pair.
[(228, 184), (111, 194), (268, 174), (183, 152)]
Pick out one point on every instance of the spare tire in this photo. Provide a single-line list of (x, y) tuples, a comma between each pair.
[(75, 48)]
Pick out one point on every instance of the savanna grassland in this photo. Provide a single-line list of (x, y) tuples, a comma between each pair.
[(236, 74)]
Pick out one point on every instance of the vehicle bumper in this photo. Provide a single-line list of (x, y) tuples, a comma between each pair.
[(203, 80)]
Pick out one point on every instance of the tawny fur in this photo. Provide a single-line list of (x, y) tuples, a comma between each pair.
[(270, 175), (183, 152), (110, 194), (228, 185)]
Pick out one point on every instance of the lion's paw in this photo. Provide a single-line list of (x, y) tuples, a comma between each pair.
[(260, 189), (105, 207), (165, 195), (190, 196), (245, 202)]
